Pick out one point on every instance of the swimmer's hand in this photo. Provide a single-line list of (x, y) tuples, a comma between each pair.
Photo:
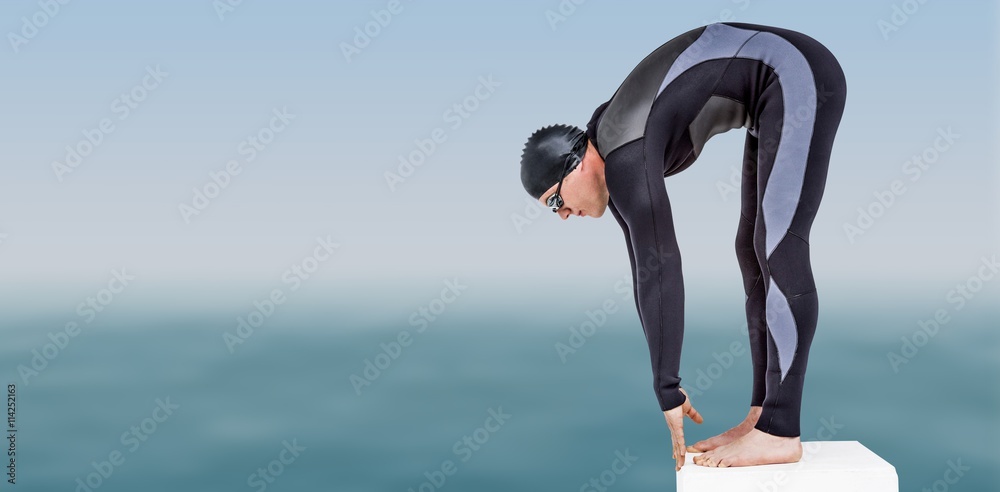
[(675, 422)]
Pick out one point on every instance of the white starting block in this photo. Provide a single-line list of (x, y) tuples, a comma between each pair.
[(826, 466)]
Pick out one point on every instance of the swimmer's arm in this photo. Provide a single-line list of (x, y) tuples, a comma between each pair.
[(658, 281)]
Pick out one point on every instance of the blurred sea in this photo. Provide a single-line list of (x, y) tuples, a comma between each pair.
[(289, 387)]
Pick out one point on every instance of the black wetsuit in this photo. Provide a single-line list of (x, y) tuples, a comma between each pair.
[(789, 92)]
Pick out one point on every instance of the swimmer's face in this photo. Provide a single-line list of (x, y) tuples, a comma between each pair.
[(583, 191)]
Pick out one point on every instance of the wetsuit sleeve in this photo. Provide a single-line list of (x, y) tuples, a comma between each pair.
[(641, 200), (631, 254)]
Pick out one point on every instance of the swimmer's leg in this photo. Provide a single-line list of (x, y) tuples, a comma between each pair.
[(781, 240), (753, 287), (750, 268)]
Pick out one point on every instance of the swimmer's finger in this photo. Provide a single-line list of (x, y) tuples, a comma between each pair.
[(695, 416)]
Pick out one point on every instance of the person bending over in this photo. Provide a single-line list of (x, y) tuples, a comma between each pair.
[(788, 91)]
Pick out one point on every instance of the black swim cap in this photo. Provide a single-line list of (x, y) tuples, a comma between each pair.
[(545, 154)]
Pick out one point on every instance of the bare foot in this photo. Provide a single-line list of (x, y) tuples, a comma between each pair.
[(754, 448), (730, 435)]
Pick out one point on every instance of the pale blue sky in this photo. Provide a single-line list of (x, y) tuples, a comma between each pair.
[(324, 173)]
